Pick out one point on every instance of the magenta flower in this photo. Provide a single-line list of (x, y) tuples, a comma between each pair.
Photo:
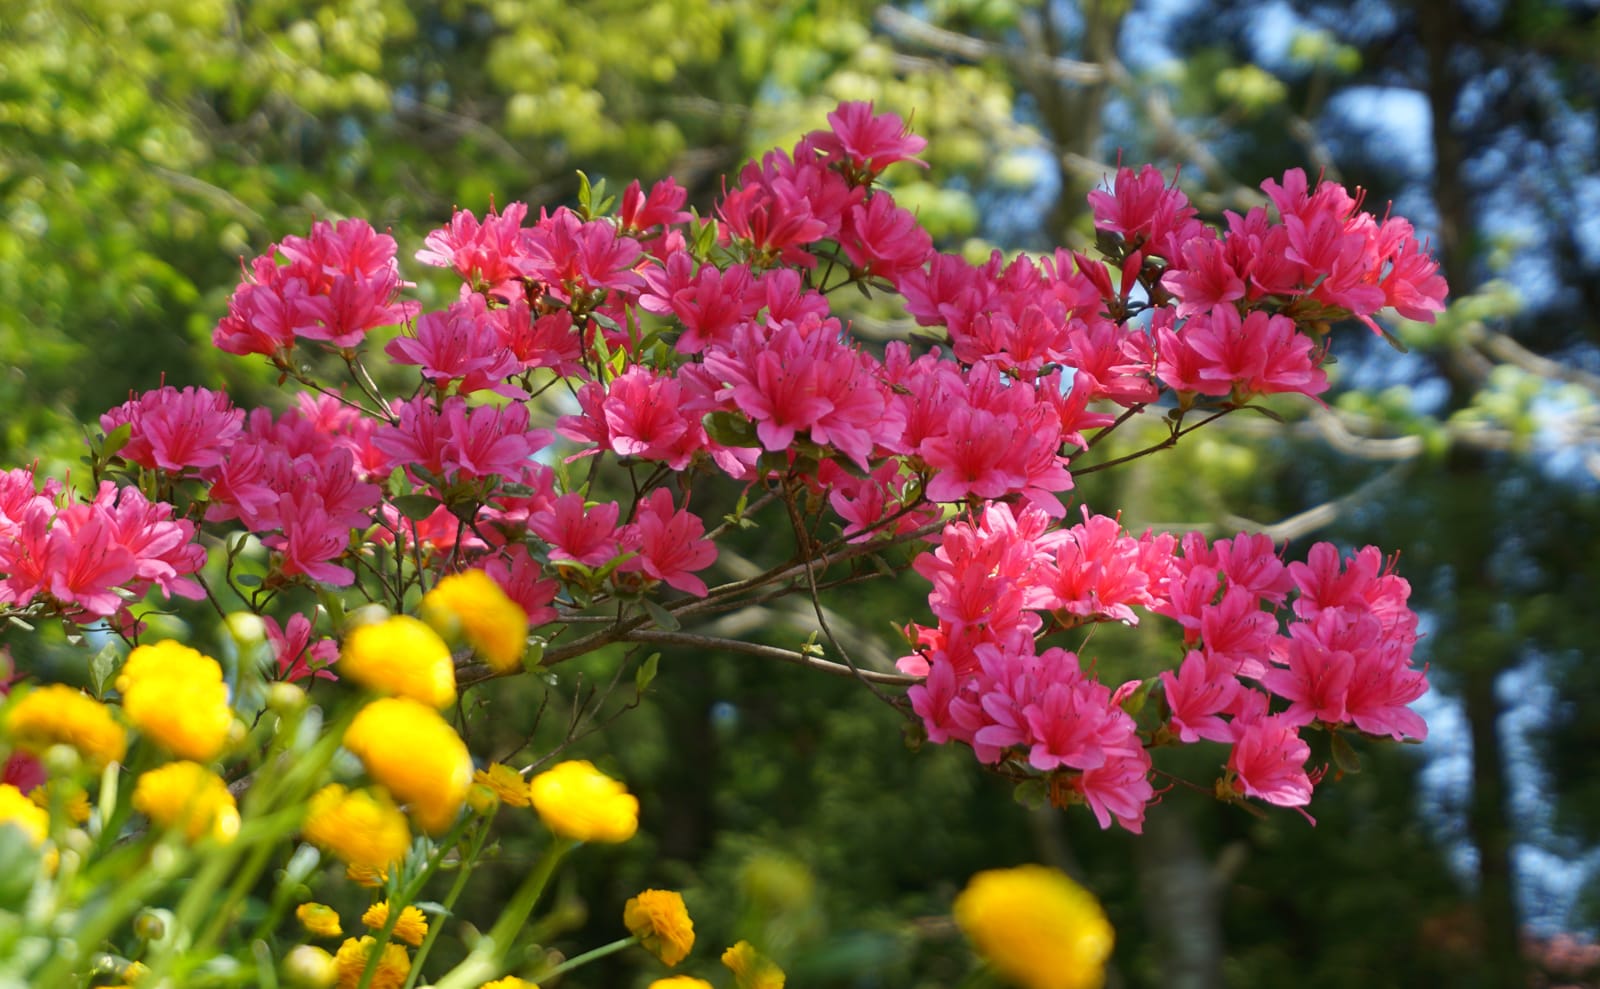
[(585, 534), (1269, 762), (869, 142), (670, 544)]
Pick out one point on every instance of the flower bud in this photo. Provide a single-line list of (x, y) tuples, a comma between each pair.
[(61, 761), (150, 924), (309, 967), (285, 699)]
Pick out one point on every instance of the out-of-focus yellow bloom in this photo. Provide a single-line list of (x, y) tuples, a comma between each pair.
[(416, 755), (308, 967), (512, 982), (60, 715), (175, 695), (362, 828), (366, 876), (506, 783), (24, 813), (751, 969), (472, 605), (658, 918), (577, 801), (402, 657), (393, 967), (75, 802), (1037, 927), (190, 796), (411, 928), (680, 982), (319, 919)]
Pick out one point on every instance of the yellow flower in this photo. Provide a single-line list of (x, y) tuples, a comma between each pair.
[(175, 695), (366, 876), (402, 657), (1037, 927), (24, 813), (411, 928), (362, 828), (393, 967), (512, 982), (680, 982), (73, 798), (62, 715), (472, 605), (576, 800), (190, 796), (506, 783), (658, 918), (751, 969), (416, 755), (319, 919)]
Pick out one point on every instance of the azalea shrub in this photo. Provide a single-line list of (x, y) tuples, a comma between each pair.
[(455, 495)]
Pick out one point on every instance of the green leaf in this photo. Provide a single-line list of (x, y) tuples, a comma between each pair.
[(731, 429), (534, 656), (102, 667), (116, 440), (416, 507), (585, 195), (663, 618), (646, 673), (1134, 702), (1344, 755), (1032, 794)]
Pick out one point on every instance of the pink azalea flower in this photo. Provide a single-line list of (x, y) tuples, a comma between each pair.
[(1197, 693), (519, 575), (1269, 763), (869, 142), (883, 239), (483, 254), (670, 544), (295, 655), (579, 533), (173, 430), (460, 346)]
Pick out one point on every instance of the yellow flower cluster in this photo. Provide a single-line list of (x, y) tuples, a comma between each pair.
[(175, 695), (507, 784), (658, 918), (415, 754), (402, 657), (363, 828), (577, 801), (15, 808), (411, 928), (1037, 927), (751, 969), (319, 919), (187, 795), (472, 606), (510, 982), (680, 982), (393, 966), (60, 715)]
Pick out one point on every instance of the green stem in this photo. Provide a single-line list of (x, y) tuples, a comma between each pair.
[(487, 957), (409, 893), (591, 955), (449, 902)]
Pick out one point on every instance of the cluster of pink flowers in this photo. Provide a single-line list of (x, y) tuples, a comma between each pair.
[(692, 346), (336, 286), (86, 560), (1327, 642)]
